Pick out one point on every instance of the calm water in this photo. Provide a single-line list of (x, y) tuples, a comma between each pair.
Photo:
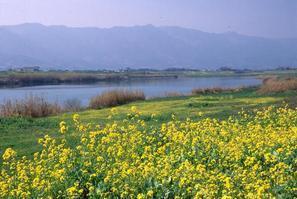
[(152, 88)]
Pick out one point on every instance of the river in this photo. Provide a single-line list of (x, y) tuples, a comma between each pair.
[(151, 88)]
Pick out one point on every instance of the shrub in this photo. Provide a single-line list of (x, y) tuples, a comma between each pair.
[(30, 106), (115, 98), (273, 85)]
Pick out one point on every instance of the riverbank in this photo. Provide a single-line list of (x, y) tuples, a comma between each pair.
[(152, 88), (22, 133)]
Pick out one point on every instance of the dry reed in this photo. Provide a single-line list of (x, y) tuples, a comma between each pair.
[(274, 85), (115, 98), (30, 106), (214, 90)]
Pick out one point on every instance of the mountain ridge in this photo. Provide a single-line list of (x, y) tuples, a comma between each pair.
[(148, 46)]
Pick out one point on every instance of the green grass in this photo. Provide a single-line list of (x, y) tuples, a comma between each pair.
[(22, 133)]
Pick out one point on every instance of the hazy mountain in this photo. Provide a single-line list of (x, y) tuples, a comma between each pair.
[(138, 47)]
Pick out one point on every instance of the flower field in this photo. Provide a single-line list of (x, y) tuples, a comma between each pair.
[(250, 155)]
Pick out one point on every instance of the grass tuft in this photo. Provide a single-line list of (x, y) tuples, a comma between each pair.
[(274, 85), (214, 90), (115, 98), (31, 106)]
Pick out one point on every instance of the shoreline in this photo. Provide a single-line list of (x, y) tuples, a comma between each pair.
[(14, 79)]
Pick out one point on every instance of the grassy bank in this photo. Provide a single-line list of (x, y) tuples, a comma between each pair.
[(22, 133), (251, 154)]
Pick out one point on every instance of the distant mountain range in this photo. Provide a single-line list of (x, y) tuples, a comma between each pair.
[(60, 47)]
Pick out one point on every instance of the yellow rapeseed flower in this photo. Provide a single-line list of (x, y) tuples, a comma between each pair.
[(63, 127), (244, 156), (8, 154)]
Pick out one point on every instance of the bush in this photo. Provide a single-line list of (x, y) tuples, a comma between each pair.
[(115, 98), (31, 106), (274, 85)]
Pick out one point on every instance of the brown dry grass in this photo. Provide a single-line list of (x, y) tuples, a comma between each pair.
[(31, 106), (214, 90), (174, 94), (274, 85), (115, 98)]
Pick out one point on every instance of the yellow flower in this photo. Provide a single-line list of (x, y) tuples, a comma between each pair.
[(63, 127), (134, 109), (75, 118), (72, 191), (140, 196), (114, 111), (150, 194), (8, 154), (244, 156)]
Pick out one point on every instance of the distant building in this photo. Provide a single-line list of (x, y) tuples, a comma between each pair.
[(226, 68), (28, 69)]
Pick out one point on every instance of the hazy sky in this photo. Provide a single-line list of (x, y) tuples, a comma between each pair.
[(268, 18)]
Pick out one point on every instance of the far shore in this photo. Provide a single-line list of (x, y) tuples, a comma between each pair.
[(13, 79)]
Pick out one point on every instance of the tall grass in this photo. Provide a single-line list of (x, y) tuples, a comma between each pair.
[(273, 85), (174, 94), (115, 98), (214, 90), (30, 106)]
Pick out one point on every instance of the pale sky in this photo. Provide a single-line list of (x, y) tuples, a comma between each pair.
[(267, 18)]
